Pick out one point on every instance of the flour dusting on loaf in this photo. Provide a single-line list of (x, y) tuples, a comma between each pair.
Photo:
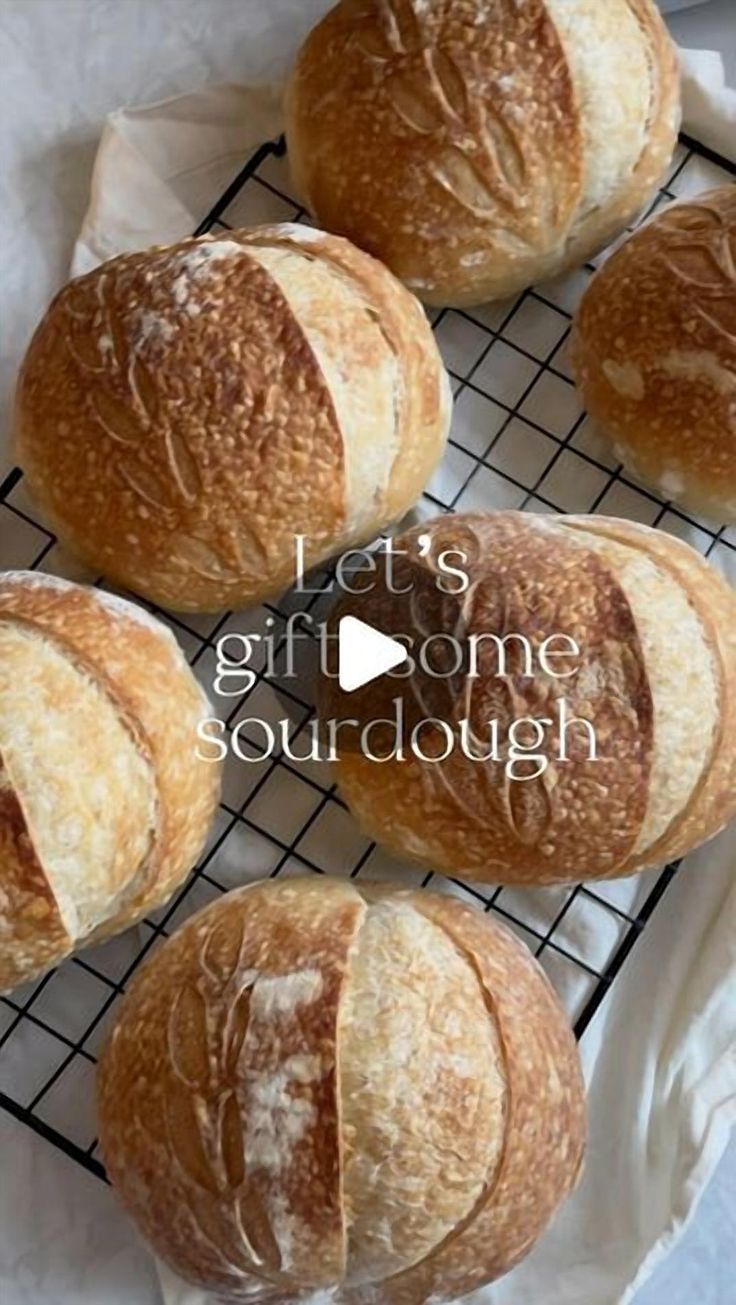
[(399, 1131)]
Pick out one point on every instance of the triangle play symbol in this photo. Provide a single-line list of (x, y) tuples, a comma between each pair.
[(365, 653)]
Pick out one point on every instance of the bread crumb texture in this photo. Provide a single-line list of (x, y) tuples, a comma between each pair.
[(318, 1091)]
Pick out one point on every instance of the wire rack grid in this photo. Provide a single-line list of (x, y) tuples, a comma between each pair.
[(519, 440)]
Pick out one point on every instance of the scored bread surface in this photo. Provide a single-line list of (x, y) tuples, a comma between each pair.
[(319, 1086), (184, 412), (219, 1108), (88, 833), (475, 148), (713, 801), (387, 462), (612, 74), (360, 368), (415, 1165), (653, 350), (470, 818), (34, 935), (655, 627), (104, 803), (684, 678)]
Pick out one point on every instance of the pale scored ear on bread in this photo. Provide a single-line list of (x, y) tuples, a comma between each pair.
[(321, 1085), (104, 804), (479, 150), (654, 689)]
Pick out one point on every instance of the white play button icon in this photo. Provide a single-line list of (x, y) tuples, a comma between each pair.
[(365, 653)]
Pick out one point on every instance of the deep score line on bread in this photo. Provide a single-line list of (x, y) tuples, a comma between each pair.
[(184, 412), (104, 805), (655, 627), (344, 1088), (476, 147)]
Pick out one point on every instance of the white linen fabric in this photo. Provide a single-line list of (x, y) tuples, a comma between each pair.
[(160, 167), (709, 105)]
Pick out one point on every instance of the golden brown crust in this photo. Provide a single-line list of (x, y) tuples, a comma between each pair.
[(112, 455), (654, 352), (379, 88), (81, 771), (218, 1163), (178, 430), (713, 804), (543, 1152), (219, 1113), (583, 817), (450, 141), (421, 425), (468, 818), (135, 660)]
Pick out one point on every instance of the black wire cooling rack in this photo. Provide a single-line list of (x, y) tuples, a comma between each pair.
[(519, 440)]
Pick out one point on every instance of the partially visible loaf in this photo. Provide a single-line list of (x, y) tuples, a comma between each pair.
[(347, 1089), (184, 412), (104, 805)]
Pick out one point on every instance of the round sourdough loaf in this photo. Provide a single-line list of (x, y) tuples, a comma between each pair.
[(104, 806), (654, 353), (321, 1090), (184, 412), (654, 675), (479, 147)]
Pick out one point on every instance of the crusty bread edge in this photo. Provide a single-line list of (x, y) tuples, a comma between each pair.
[(81, 621), (713, 802), (545, 1136)]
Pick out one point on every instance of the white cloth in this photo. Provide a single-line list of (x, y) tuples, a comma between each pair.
[(709, 105), (660, 1058), (160, 168)]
